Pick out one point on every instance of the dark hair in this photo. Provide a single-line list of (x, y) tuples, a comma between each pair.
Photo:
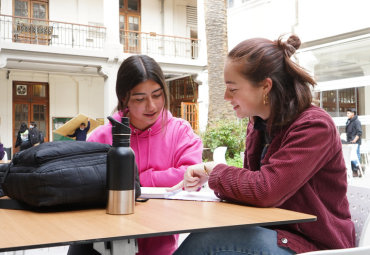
[(23, 127), (352, 110), (135, 70), (83, 124), (290, 95), (33, 124)]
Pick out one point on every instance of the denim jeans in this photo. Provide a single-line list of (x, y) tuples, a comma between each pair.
[(354, 163), (253, 240)]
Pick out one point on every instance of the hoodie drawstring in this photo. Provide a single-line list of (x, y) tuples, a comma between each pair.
[(138, 150), (147, 162)]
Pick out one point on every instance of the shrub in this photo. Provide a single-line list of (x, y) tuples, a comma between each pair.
[(236, 161), (229, 133)]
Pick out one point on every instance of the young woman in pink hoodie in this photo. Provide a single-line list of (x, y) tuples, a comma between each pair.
[(164, 146)]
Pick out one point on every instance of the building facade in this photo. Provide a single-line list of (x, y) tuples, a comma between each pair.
[(60, 58), (335, 47)]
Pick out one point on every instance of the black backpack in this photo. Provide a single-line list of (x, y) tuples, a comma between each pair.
[(59, 173)]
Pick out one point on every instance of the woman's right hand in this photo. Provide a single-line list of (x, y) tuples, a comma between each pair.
[(194, 177)]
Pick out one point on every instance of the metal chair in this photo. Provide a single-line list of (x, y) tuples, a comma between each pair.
[(365, 150), (354, 156), (359, 206), (347, 151), (219, 155)]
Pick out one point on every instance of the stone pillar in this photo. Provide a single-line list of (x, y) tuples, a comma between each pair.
[(202, 46), (111, 21), (110, 97), (115, 55), (365, 66), (216, 34)]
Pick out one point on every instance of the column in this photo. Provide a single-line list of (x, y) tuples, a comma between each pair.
[(110, 97), (202, 46), (111, 21)]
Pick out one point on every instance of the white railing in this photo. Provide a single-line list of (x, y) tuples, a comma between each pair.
[(51, 33), (341, 121), (159, 45)]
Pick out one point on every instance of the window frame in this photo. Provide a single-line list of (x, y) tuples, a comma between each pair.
[(30, 7)]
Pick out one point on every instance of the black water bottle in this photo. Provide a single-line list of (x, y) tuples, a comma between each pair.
[(121, 170)]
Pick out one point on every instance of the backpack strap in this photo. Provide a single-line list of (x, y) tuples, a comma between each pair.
[(8, 203), (2, 179)]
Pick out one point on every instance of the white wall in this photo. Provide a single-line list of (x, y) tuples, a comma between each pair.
[(76, 11)]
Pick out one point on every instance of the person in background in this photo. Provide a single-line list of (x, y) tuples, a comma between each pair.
[(2, 151), (81, 132), (354, 133), (23, 138), (164, 146), (34, 134), (293, 159)]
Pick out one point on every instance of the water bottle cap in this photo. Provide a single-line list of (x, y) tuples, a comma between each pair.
[(120, 128)]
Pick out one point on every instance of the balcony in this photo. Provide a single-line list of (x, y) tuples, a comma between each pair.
[(159, 45), (51, 33)]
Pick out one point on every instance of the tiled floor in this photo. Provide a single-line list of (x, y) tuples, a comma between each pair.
[(362, 182)]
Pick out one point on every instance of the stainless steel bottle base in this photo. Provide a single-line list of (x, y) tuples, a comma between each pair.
[(121, 202)]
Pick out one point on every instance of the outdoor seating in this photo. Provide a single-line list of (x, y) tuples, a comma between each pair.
[(219, 155), (365, 150), (347, 151), (5, 156), (355, 158), (359, 206)]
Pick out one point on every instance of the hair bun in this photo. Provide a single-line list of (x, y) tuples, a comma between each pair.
[(293, 43)]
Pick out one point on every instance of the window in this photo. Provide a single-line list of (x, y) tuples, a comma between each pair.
[(129, 19), (31, 9), (230, 3), (336, 102)]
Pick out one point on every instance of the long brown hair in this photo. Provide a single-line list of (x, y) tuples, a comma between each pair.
[(290, 95), (135, 70)]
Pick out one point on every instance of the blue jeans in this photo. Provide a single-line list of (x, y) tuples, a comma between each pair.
[(254, 240), (354, 163)]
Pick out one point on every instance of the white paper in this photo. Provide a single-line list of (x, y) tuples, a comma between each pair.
[(153, 192)]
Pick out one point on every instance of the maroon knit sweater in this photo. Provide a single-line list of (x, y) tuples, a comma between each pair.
[(303, 171)]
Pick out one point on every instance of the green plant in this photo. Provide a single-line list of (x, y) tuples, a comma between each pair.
[(229, 133), (236, 161)]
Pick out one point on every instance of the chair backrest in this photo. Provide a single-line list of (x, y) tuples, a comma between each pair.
[(5, 156), (359, 206), (347, 150), (219, 155), (354, 151)]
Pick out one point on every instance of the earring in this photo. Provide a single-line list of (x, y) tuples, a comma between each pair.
[(265, 98)]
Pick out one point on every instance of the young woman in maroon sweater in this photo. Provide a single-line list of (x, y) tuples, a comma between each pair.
[(293, 158)]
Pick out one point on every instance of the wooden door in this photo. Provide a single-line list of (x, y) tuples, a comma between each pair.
[(189, 112), (30, 103)]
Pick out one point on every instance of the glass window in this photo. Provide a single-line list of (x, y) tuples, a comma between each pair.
[(336, 102), (121, 5), (121, 22), (230, 3), (39, 90), (133, 5), (21, 8), (133, 23)]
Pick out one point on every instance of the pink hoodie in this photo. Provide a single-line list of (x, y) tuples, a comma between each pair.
[(162, 158)]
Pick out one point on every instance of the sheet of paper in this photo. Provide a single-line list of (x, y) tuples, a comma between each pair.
[(154, 192), (195, 196)]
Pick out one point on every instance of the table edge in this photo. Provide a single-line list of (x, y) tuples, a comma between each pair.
[(313, 218)]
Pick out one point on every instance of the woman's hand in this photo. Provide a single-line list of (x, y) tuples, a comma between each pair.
[(194, 177)]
